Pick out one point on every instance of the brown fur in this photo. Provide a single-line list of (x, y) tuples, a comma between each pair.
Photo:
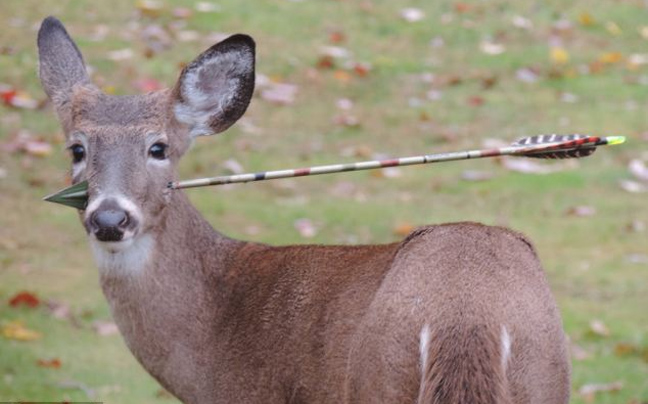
[(220, 320)]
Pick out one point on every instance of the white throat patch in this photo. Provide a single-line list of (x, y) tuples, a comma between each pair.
[(127, 260)]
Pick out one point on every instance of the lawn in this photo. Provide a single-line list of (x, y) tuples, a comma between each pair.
[(342, 81)]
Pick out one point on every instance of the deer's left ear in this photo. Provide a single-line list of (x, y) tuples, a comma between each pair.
[(214, 90)]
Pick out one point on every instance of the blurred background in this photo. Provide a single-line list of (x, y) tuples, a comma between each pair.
[(342, 81)]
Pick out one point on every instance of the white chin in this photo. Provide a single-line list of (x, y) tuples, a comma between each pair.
[(114, 246)]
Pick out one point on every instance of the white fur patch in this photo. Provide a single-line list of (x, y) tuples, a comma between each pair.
[(424, 346), (506, 347), (123, 258)]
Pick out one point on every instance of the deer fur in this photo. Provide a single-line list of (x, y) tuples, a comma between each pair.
[(455, 313)]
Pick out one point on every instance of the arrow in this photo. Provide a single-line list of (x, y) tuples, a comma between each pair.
[(540, 146)]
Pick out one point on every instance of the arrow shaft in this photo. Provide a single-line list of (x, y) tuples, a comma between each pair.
[(517, 150)]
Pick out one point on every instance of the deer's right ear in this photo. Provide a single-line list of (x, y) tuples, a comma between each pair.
[(61, 63), (214, 90)]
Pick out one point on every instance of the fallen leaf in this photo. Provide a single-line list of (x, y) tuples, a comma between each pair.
[(589, 391), (598, 327), (182, 13), (579, 353), (559, 55), (528, 166), (403, 229), (585, 19), (207, 7), (54, 363), (342, 76), (306, 228), (476, 101), (105, 328), (633, 186), (149, 8), (637, 258), (611, 57), (613, 28), (638, 169), (121, 54), (337, 37), (412, 14), (526, 75), (279, 93), (476, 175), (147, 85), (60, 311), (233, 166), (581, 211), (16, 330), (492, 48), (521, 22), (625, 349), (24, 299)]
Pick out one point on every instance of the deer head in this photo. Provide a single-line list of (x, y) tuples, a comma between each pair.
[(128, 147)]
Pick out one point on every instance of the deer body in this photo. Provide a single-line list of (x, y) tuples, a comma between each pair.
[(456, 313)]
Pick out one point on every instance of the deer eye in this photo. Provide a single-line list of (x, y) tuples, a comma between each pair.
[(158, 151), (78, 153)]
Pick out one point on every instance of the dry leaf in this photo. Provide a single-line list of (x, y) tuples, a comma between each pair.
[(528, 166), (559, 55), (16, 330), (633, 186), (585, 19), (182, 13), (207, 7), (105, 328), (610, 57), (579, 353), (581, 211), (54, 363), (638, 169), (492, 48), (527, 75), (597, 327), (279, 93), (149, 8), (613, 28), (476, 175), (403, 229), (121, 54), (589, 391), (24, 299), (233, 166), (306, 228), (412, 14)]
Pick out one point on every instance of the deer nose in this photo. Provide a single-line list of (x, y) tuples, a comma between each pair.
[(109, 221)]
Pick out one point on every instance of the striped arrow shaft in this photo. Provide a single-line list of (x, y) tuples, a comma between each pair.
[(543, 146)]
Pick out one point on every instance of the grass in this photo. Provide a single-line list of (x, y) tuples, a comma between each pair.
[(43, 248)]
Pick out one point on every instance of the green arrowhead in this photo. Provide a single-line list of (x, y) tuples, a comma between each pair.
[(75, 196)]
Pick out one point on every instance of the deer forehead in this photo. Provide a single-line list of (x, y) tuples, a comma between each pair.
[(121, 111)]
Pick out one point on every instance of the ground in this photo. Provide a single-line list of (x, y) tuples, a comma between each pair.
[(418, 78)]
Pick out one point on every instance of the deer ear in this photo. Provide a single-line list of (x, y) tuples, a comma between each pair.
[(214, 90), (61, 63)]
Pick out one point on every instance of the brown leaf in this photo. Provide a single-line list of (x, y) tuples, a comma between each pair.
[(279, 93), (54, 363), (24, 299)]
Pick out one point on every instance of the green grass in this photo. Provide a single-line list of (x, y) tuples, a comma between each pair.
[(43, 248)]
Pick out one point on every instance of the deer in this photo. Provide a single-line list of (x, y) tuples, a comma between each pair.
[(453, 313)]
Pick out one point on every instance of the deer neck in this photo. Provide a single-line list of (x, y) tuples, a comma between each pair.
[(170, 287)]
